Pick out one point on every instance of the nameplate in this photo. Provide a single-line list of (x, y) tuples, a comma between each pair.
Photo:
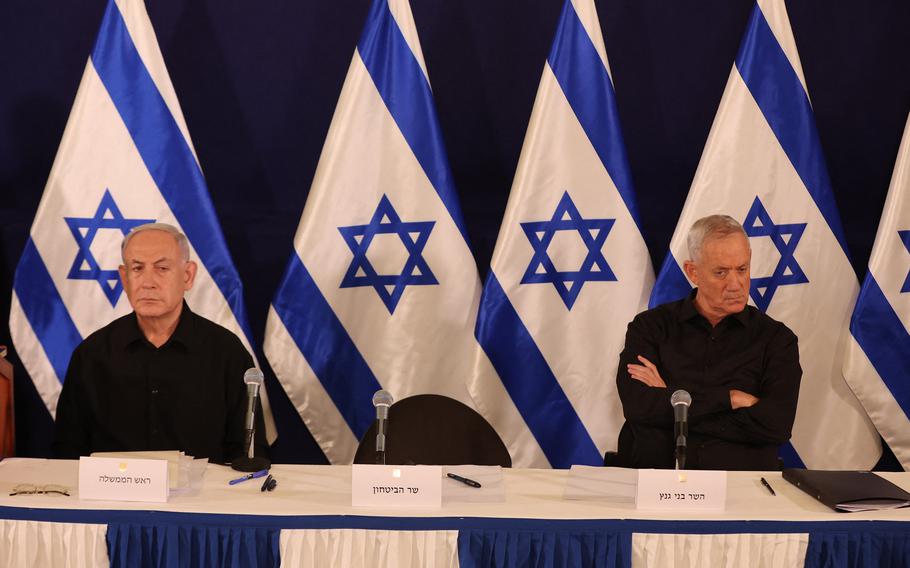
[(112, 479), (398, 486), (684, 490)]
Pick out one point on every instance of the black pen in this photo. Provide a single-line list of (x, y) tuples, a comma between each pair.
[(768, 486), (464, 480)]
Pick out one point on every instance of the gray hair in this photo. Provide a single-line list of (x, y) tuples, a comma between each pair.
[(173, 231), (711, 227)]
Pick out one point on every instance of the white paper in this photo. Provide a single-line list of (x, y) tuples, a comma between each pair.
[(397, 486), (112, 479), (610, 484), (681, 490), (173, 457)]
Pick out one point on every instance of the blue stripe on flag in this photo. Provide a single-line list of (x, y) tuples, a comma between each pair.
[(165, 152), (406, 92), (779, 94), (327, 347), (45, 310), (788, 455), (587, 86), (530, 382), (671, 284), (882, 335)]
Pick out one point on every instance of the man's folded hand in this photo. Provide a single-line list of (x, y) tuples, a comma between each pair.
[(646, 373), (740, 399)]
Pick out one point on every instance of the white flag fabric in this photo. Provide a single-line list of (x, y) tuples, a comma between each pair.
[(763, 165), (382, 289), (876, 365), (570, 268), (125, 159)]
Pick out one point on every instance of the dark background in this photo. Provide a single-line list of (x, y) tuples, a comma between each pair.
[(258, 83)]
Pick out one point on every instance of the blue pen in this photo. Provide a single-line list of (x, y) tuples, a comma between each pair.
[(260, 473)]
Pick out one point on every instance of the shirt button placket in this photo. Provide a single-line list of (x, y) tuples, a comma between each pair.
[(153, 400), (709, 345)]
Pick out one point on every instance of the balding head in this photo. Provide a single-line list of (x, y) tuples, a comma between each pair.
[(182, 243), (711, 227)]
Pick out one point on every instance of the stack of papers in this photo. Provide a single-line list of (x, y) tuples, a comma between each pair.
[(184, 473)]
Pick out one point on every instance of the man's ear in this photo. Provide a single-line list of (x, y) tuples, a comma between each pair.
[(691, 270), (189, 275)]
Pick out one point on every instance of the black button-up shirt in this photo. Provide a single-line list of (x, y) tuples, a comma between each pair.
[(748, 351), (121, 393)]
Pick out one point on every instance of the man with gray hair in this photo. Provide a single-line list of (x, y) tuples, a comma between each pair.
[(740, 366), (161, 377)]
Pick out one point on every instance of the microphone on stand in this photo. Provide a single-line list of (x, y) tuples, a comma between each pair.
[(382, 400), (253, 379), (681, 400)]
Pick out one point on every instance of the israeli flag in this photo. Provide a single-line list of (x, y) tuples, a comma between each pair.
[(570, 268), (125, 159), (382, 289), (876, 365), (763, 165)]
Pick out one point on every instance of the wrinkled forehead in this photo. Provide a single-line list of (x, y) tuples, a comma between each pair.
[(732, 249), (151, 246)]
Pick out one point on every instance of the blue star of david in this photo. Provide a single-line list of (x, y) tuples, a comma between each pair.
[(594, 267), (905, 238), (413, 235), (84, 229), (758, 223)]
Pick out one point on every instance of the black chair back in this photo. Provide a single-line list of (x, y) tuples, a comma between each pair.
[(431, 429)]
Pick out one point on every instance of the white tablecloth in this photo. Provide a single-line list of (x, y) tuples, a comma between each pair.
[(312, 508)]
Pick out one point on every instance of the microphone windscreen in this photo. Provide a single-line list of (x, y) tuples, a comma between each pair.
[(253, 376), (382, 398), (681, 397)]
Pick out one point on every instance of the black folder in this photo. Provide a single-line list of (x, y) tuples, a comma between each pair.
[(849, 491)]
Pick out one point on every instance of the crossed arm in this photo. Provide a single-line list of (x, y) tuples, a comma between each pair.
[(761, 417), (648, 374)]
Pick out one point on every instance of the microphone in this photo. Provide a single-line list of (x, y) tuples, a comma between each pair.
[(382, 400), (253, 379), (681, 400)]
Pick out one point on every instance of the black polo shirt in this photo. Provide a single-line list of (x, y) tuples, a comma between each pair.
[(748, 351), (122, 393)]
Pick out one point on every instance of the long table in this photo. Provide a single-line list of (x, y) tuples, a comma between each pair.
[(309, 521)]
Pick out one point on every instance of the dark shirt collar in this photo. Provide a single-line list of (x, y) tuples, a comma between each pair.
[(687, 311), (131, 334)]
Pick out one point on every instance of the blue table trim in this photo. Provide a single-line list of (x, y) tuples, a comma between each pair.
[(107, 516), (159, 538)]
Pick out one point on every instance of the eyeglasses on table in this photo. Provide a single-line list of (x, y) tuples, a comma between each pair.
[(32, 489)]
